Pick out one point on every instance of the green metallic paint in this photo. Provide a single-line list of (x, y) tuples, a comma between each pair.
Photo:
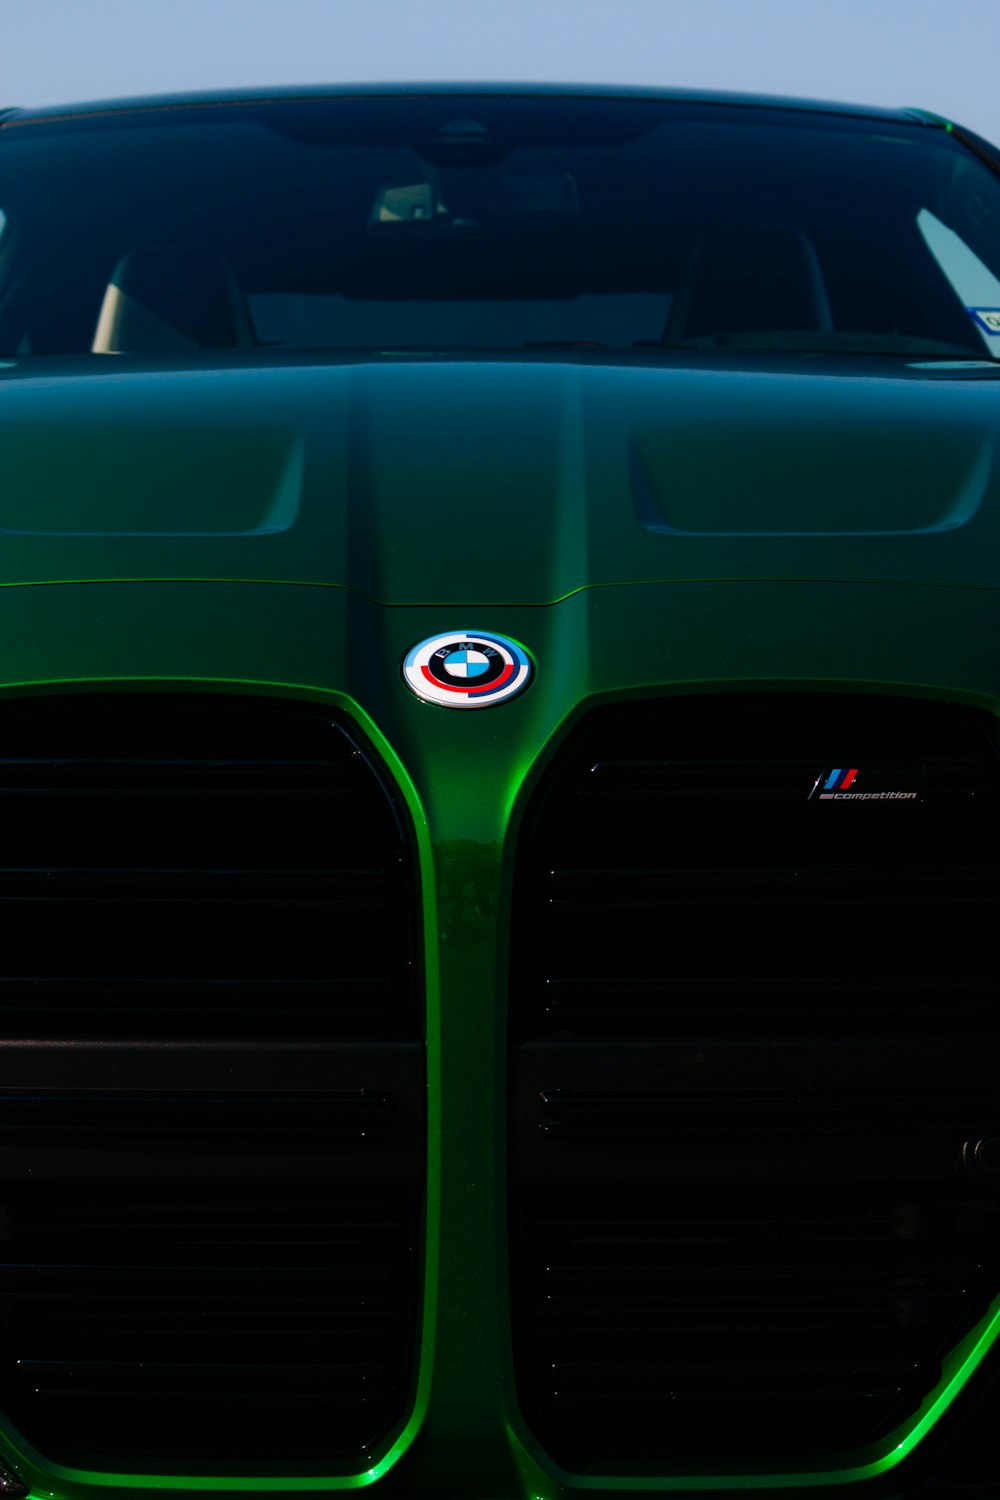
[(930, 118), (482, 483), (465, 779), (247, 530)]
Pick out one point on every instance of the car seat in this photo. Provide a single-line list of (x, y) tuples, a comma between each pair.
[(749, 278), (166, 300)]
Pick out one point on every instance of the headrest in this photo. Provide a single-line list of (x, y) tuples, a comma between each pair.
[(749, 278), (166, 300)]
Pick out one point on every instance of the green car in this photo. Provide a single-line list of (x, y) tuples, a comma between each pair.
[(454, 544)]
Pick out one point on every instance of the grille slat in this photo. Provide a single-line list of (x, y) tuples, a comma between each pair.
[(272, 1117)]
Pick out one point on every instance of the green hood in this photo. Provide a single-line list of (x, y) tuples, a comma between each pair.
[(452, 481)]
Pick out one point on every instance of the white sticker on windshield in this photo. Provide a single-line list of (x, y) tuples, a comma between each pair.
[(988, 318)]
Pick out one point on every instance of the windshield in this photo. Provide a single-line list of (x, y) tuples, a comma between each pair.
[(480, 222)]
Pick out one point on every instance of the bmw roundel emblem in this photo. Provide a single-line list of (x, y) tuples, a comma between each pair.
[(466, 669)]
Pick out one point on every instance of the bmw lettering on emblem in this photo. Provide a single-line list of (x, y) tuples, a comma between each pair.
[(466, 669)]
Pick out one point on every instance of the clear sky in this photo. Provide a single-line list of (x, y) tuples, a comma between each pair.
[(941, 54)]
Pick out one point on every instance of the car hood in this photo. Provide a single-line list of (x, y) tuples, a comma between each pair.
[(455, 481)]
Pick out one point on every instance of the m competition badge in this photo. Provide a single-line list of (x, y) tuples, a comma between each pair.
[(466, 669), (871, 784)]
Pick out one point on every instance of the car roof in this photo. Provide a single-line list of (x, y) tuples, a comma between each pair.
[(25, 116)]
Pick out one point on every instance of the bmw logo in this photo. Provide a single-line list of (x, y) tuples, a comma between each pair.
[(466, 669)]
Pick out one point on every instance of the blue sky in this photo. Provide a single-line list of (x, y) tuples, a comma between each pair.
[(939, 55)]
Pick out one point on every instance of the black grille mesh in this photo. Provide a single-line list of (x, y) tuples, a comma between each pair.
[(194, 866), (761, 1322), (205, 1325), (211, 1087), (678, 868), (753, 1051)]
